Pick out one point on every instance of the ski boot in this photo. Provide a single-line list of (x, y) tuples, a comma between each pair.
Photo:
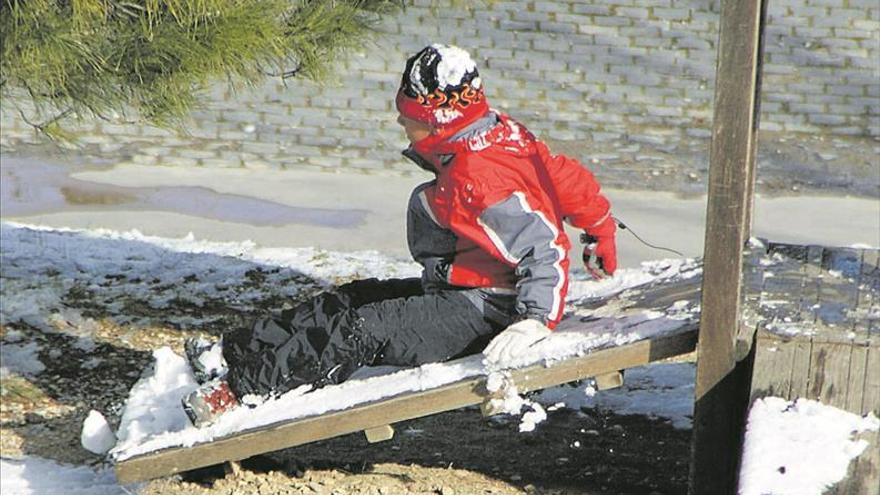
[(204, 405)]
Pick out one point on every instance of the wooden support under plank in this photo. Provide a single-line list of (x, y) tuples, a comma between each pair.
[(379, 434), (395, 409), (609, 380)]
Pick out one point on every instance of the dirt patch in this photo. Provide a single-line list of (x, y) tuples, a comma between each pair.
[(459, 452)]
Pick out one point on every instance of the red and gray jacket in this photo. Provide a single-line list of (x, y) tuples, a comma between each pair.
[(492, 218)]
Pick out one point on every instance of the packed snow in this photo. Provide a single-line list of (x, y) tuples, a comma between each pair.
[(96, 436), (799, 448), (454, 64)]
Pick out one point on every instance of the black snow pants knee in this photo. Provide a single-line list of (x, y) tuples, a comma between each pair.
[(368, 322)]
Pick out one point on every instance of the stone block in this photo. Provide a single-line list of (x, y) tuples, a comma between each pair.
[(667, 14), (633, 12), (220, 163), (614, 21), (826, 119), (850, 109), (558, 27), (317, 140), (527, 16), (517, 25), (590, 9), (806, 107)]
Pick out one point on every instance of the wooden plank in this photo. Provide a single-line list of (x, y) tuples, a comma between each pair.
[(800, 369), (829, 370), (858, 368), (871, 392), (868, 298), (838, 296), (774, 360), (392, 410), (863, 476), (721, 389)]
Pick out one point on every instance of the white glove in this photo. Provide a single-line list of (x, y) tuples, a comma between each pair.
[(515, 340)]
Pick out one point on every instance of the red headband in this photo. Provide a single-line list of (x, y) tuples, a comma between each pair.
[(442, 110)]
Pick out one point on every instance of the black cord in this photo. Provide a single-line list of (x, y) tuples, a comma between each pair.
[(623, 226)]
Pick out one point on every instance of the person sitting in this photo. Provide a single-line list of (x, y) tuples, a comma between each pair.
[(488, 231)]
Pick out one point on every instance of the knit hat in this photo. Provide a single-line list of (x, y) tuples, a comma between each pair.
[(441, 87)]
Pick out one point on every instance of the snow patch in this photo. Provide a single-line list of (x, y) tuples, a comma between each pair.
[(22, 359), (799, 448), (153, 404), (37, 476)]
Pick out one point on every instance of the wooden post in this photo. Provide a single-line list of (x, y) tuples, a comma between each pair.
[(722, 385)]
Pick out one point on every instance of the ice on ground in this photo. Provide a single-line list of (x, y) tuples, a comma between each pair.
[(662, 390), (799, 448), (96, 436), (23, 359), (37, 476)]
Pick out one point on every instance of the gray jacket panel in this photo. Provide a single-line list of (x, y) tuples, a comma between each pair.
[(527, 238), (430, 244)]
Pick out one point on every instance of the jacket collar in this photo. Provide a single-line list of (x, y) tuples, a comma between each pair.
[(434, 152)]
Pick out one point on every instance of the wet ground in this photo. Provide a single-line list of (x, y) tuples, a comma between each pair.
[(30, 186)]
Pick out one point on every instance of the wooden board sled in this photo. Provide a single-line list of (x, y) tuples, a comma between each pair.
[(375, 418)]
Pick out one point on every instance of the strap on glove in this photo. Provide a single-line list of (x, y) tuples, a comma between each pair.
[(600, 255)]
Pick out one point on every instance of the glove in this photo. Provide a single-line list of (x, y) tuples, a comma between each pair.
[(515, 339), (605, 251)]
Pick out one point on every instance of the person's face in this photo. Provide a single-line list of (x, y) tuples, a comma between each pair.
[(415, 130)]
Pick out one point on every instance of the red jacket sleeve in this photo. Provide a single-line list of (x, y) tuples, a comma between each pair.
[(578, 193)]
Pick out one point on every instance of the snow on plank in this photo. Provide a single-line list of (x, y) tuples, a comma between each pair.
[(470, 391)]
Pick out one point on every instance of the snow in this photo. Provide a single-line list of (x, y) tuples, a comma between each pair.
[(40, 265), (35, 476), (154, 401), (22, 359), (454, 64), (97, 437), (799, 448)]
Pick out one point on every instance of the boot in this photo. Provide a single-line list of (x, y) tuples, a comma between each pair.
[(204, 405)]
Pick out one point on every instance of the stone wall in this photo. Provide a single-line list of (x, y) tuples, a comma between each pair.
[(573, 71)]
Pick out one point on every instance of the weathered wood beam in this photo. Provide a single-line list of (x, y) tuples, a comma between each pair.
[(721, 390)]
